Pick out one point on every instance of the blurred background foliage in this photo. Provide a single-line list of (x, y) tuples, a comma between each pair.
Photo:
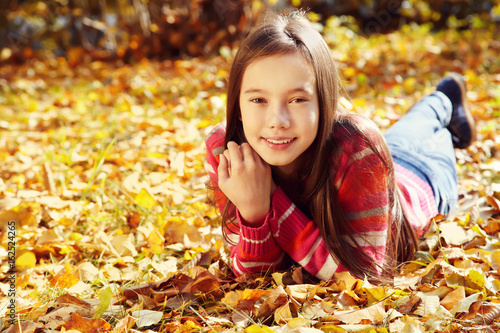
[(134, 29)]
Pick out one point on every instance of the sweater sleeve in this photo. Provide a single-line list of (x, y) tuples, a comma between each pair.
[(362, 192), (255, 250)]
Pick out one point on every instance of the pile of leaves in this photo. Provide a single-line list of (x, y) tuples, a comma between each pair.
[(103, 176)]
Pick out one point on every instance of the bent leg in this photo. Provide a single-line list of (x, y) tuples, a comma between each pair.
[(420, 142)]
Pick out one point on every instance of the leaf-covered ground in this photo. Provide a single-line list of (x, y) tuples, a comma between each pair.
[(103, 180)]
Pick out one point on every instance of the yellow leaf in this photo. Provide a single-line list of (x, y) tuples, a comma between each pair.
[(409, 85), (156, 242), (105, 298), (188, 255), (189, 326), (475, 281), (26, 260), (155, 154), (75, 236), (256, 329), (297, 323), (330, 328), (145, 199), (278, 278)]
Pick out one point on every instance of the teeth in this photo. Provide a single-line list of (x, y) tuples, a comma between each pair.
[(279, 142)]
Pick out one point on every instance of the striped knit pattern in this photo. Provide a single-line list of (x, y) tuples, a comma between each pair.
[(361, 181), (418, 203)]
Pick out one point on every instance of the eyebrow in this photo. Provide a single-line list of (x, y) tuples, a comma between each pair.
[(295, 90)]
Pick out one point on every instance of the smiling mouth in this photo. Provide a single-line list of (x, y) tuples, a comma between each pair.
[(279, 141)]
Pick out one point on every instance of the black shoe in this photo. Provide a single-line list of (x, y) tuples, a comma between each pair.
[(462, 126)]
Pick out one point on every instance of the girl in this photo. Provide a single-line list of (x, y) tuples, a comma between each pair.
[(297, 177)]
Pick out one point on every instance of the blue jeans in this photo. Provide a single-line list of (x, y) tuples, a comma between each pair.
[(420, 142)]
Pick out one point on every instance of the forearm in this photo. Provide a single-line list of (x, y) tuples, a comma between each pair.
[(256, 251), (300, 238)]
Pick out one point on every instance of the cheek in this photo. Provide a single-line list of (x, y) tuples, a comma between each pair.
[(313, 122)]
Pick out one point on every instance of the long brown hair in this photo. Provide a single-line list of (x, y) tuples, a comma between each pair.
[(292, 33)]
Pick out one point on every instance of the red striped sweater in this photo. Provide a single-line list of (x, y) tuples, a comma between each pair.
[(288, 232)]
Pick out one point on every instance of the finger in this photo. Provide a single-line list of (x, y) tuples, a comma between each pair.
[(247, 152), (228, 160), (235, 156), (223, 168)]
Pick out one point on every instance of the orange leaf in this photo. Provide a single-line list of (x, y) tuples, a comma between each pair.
[(66, 280), (453, 298), (86, 325)]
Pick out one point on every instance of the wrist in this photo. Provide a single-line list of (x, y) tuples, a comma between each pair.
[(253, 218)]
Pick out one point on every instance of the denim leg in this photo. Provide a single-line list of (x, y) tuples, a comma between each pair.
[(420, 142)]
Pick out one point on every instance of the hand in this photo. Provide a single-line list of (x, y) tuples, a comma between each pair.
[(246, 180)]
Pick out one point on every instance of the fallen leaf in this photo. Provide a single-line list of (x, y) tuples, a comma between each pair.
[(410, 306), (25, 260), (124, 325), (147, 317), (464, 305), (86, 325), (454, 234), (452, 299), (374, 313), (105, 300), (144, 199), (24, 327)]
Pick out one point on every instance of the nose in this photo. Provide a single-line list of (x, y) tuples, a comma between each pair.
[(279, 116)]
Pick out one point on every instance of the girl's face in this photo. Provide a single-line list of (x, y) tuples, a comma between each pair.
[(279, 108)]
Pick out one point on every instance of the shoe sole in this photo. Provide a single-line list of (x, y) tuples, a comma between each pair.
[(470, 120)]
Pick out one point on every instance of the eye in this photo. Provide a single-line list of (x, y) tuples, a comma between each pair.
[(298, 100), (258, 100)]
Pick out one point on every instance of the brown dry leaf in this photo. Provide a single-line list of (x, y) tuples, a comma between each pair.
[(411, 305), (452, 299), (488, 313), (86, 325), (494, 202), (348, 299), (232, 298), (24, 327), (492, 227), (278, 297), (68, 299), (465, 304), (283, 314), (342, 281), (58, 316), (182, 300)]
